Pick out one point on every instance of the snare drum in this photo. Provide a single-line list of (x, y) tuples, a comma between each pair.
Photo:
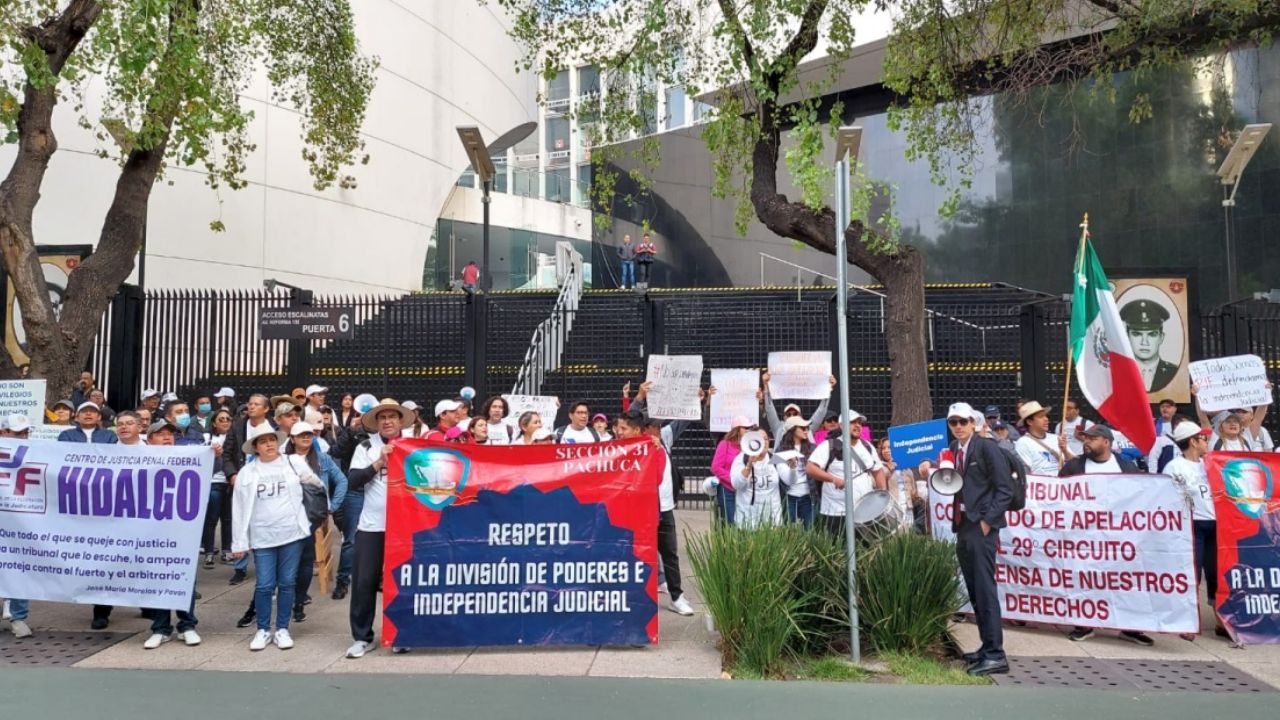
[(875, 516)]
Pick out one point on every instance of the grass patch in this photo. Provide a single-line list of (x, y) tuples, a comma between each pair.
[(924, 670), (833, 669)]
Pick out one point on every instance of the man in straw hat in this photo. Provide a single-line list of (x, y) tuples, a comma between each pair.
[(1041, 454), (383, 422)]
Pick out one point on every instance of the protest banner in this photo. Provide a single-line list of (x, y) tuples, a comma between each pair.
[(1239, 381), (735, 396), (1102, 551), (529, 545), (676, 380), (102, 524), (800, 375), (545, 405), (914, 443), (23, 396), (44, 431), (1248, 516)]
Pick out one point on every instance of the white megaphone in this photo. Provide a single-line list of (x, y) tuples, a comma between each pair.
[(753, 443), (945, 480), (364, 403), (711, 485)]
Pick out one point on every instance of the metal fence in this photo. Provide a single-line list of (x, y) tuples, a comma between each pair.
[(987, 344)]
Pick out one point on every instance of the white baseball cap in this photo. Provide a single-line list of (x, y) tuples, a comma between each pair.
[(1186, 430), (964, 410), (170, 397), (301, 427), (88, 404), (17, 422), (445, 406), (149, 393), (316, 389), (410, 404), (225, 392)]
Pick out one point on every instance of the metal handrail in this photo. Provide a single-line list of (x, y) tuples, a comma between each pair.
[(546, 347), (799, 268)]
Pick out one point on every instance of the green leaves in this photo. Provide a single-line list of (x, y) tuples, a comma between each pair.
[(174, 74)]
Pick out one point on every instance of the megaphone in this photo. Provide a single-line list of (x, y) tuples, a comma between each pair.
[(753, 443), (945, 480), (467, 393), (364, 403), (710, 485)]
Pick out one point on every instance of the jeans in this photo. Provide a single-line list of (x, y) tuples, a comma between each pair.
[(800, 509), (725, 504), (347, 519), (19, 608), (1206, 544), (162, 620), (628, 273), (277, 573), (644, 272), (219, 510)]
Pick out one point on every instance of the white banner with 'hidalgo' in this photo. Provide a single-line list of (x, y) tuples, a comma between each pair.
[(105, 524), (1105, 551)]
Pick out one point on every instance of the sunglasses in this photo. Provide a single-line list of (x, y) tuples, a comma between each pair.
[(957, 422)]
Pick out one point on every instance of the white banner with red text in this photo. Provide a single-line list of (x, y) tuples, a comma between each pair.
[(1102, 551), (103, 524)]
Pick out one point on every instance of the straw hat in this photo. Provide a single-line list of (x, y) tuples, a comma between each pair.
[(257, 432), (370, 419)]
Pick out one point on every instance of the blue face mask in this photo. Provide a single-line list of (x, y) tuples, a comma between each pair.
[(183, 420), (204, 408)]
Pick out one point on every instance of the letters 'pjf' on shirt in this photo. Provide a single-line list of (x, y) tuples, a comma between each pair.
[(862, 482)]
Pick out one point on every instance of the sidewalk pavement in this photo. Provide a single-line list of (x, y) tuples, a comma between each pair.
[(685, 648)]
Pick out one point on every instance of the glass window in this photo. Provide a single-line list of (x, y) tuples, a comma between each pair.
[(558, 87), (675, 97), (558, 185), (588, 80), (557, 134)]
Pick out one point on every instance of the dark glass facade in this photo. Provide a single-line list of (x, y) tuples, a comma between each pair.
[(1150, 189), (516, 255)]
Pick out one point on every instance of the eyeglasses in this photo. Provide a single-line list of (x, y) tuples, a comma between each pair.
[(957, 422)]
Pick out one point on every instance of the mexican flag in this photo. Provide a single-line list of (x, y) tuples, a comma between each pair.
[(1108, 375)]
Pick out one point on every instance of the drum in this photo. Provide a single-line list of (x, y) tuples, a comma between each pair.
[(875, 516)]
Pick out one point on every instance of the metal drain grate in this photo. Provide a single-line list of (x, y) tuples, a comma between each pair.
[(1152, 675), (53, 648)]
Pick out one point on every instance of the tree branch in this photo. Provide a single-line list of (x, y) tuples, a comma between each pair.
[(735, 28), (806, 38)]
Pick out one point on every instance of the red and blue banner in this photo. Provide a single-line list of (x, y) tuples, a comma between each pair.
[(521, 545), (1248, 515)]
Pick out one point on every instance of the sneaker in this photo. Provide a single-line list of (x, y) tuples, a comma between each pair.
[(99, 624), (681, 606), (662, 589), (190, 637), (358, 649), (247, 619), (306, 600), (198, 595), (226, 558), (156, 640), (20, 628), (339, 590), (1139, 638), (398, 650), (284, 640), (5, 614), (260, 641), (208, 560), (1080, 634), (238, 577), (299, 614)]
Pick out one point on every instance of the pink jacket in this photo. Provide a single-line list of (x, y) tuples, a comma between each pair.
[(723, 462)]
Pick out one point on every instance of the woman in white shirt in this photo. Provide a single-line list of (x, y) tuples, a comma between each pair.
[(795, 442), (219, 503), (270, 519), (530, 423), (758, 488), (501, 430)]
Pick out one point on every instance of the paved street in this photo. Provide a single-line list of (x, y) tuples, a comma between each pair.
[(130, 695)]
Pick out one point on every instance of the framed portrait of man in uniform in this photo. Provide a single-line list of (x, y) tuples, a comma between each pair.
[(1157, 313)]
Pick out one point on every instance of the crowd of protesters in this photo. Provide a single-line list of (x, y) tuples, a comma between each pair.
[(272, 452)]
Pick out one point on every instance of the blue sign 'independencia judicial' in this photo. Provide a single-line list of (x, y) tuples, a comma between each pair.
[(912, 444)]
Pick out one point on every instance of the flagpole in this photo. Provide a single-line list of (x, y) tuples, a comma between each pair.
[(1066, 389)]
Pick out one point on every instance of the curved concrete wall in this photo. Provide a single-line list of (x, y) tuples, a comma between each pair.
[(443, 64)]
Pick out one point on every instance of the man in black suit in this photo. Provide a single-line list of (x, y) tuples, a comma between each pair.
[(977, 516)]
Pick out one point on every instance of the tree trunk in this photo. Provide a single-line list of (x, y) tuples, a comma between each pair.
[(901, 273)]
